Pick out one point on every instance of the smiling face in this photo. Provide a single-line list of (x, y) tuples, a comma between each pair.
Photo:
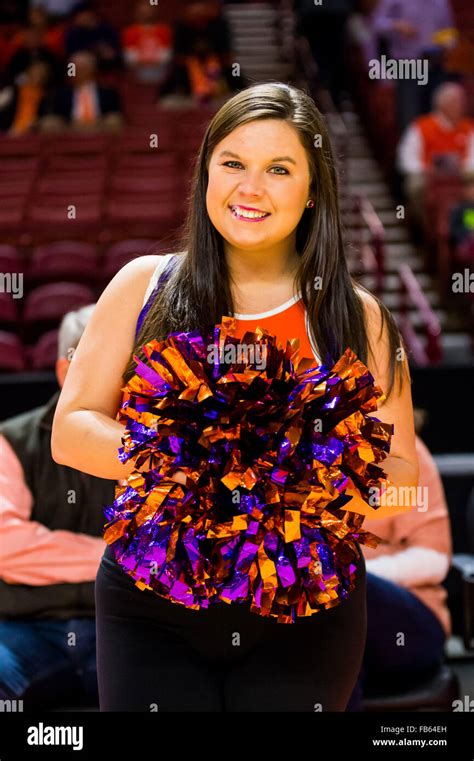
[(260, 166)]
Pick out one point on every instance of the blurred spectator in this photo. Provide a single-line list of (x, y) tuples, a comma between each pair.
[(412, 31), (23, 103), (461, 223), (32, 49), (408, 620), (50, 549), (84, 105), (88, 31), (360, 32), (324, 26), (442, 141), (148, 44), (202, 57), (57, 10), (51, 34)]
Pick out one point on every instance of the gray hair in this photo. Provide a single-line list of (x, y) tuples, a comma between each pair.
[(71, 329)]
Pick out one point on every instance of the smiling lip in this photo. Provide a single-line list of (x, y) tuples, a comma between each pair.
[(234, 211)]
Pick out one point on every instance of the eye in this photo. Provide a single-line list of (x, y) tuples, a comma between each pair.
[(226, 163), (285, 170)]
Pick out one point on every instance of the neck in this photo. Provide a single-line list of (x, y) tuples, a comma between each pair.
[(267, 266)]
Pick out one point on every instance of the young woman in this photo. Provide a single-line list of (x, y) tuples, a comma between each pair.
[(262, 243)]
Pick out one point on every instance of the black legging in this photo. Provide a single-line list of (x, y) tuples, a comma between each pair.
[(153, 654)]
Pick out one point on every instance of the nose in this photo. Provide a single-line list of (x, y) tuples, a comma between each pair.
[(251, 185)]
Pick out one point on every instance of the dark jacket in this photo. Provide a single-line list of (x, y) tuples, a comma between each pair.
[(29, 434), (61, 103)]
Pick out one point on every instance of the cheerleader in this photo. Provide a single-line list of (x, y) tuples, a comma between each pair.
[(262, 243)]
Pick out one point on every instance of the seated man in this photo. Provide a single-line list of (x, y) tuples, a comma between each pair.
[(51, 523), (88, 31), (85, 105), (33, 48), (201, 68), (442, 141), (408, 620), (23, 104)]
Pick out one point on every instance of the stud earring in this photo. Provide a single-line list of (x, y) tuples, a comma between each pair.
[(310, 204)]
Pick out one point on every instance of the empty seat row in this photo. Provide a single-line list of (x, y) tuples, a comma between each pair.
[(15, 357)]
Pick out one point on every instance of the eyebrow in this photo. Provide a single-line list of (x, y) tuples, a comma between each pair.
[(277, 158)]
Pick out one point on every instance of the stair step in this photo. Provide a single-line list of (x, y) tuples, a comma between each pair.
[(417, 320), (392, 300), (396, 234), (400, 249), (257, 10), (256, 48), (391, 266), (392, 283), (362, 164), (457, 346), (382, 202), (368, 189), (356, 177), (386, 216)]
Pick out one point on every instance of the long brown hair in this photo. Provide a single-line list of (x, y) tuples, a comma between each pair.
[(198, 294)]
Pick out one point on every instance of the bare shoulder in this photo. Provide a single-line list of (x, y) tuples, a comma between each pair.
[(132, 280), (379, 336), (142, 265), (369, 301), (374, 317)]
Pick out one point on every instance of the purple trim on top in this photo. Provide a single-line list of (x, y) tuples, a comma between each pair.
[(162, 279)]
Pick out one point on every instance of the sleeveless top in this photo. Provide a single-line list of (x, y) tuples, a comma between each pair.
[(289, 320)]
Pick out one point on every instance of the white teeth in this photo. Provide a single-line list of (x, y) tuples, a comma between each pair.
[(247, 213)]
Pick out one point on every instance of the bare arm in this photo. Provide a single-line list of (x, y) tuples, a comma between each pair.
[(85, 432), (401, 465)]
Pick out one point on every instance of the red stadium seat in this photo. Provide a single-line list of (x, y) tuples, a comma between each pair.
[(148, 162), (64, 260), (12, 354), (118, 254), (162, 185), (24, 164), (8, 310), (47, 304), (43, 355), (21, 146), (90, 163), (53, 210), (76, 145), (128, 212), (87, 183), (12, 212), (15, 184), (10, 259)]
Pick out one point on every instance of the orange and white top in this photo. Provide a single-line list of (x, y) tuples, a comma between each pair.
[(289, 320)]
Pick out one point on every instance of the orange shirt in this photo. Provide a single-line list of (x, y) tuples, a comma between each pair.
[(149, 41), (29, 99), (439, 138), (289, 320), (53, 39), (428, 528)]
